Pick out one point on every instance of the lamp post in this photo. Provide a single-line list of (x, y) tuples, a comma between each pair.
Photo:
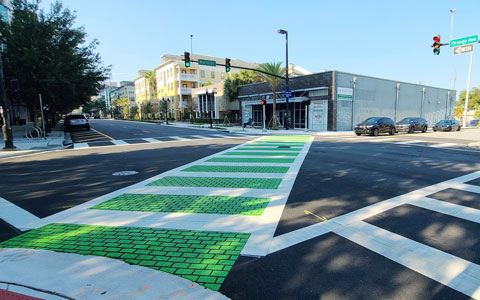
[(451, 36), (210, 103), (287, 95)]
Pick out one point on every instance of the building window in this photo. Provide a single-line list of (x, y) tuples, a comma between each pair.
[(184, 72), (202, 73), (192, 72), (193, 85), (222, 75), (184, 85), (213, 75)]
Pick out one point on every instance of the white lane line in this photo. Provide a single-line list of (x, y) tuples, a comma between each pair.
[(468, 188), (221, 136), (177, 138), (409, 142), (83, 276), (447, 208), (119, 142), (445, 145), (150, 140), (445, 268), (200, 136), (415, 197), (80, 145), (16, 216)]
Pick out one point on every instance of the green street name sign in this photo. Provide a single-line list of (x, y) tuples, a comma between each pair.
[(464, 41), (205, 62)]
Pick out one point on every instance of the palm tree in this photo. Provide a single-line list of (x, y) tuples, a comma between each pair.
[(278, 71)]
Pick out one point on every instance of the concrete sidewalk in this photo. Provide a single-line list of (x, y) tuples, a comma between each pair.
[(27, 145)]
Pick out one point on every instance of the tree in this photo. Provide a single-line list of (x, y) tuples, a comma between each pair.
[(133, 111), (473, 102), (274, 69), (236, 80), (123, 103), (49, 57)]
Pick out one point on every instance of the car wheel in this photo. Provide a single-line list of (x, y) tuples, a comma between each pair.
[(392, 131), (375, 132), (358, 134), (458, 128), (411, 130), (424, 129)]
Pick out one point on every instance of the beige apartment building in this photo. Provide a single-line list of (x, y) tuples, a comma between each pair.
[(175, 82)]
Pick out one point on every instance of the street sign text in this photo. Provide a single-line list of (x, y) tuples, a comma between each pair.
[(464, 41), (205, 62), (463, 49)]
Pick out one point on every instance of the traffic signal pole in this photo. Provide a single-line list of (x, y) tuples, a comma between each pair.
[(468, 90)]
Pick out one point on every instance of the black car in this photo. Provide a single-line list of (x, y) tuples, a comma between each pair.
[(447, 125), (76, 121), (411, 125), (376, 125)]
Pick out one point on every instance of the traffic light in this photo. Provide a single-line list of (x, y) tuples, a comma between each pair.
[(227, 64), (436, 45), (262, 102), (187, 59)]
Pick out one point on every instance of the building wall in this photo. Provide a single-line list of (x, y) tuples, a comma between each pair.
[(377, 97), (347, 99)]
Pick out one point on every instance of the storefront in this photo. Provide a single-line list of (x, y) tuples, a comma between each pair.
[(336, 101)]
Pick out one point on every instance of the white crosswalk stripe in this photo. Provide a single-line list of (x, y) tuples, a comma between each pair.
[(457, 273)]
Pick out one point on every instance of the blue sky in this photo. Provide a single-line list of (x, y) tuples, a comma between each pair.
[(388, 39)]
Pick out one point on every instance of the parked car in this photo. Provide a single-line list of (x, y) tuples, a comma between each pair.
[(411, 125), (76, 121), (447, 125), (376, 125)]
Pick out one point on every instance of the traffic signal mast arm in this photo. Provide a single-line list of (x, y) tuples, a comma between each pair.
[(245, 68)]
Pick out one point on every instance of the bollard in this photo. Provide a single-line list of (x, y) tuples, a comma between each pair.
[(8, 137)]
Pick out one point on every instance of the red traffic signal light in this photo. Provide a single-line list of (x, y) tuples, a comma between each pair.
[(187, 59), (262, 102), (436, 45), (227, 64)]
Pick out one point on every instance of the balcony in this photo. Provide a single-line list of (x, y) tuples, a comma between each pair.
[(188, 77), (184, 91)]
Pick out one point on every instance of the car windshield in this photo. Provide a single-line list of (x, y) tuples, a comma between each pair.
[(407, 120), (371, 120), (443, 122)]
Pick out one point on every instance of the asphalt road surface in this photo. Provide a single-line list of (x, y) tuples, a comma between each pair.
[(340, 174)]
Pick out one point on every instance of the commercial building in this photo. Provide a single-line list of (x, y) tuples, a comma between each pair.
[(210, 100), (336, 101)]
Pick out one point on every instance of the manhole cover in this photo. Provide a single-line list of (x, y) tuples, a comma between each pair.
[(125, 173)]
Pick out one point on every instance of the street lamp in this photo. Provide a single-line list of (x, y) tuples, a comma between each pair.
[(453, 10), (211, 102), (287, 95)]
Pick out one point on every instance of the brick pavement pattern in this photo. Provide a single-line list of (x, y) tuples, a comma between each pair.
[(262, 153), (204, 257), (200, 204), (252, 160), (237, 169), (221, 182)]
